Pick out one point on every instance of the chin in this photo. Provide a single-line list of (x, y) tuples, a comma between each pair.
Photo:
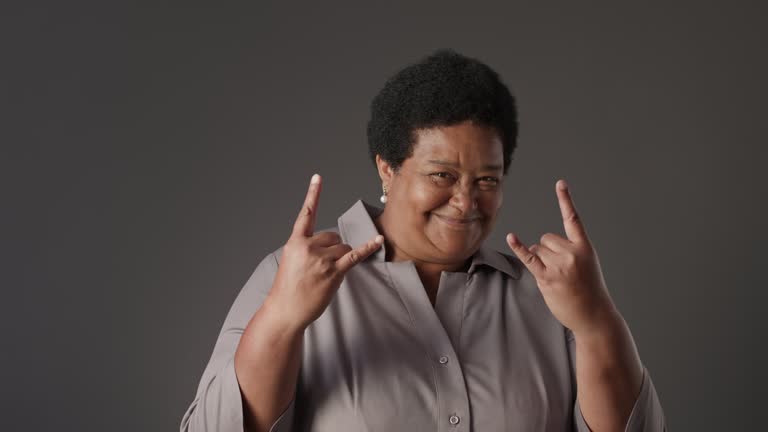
[(456, 250)]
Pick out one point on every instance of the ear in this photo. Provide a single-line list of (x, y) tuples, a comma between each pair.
[(386, 173)]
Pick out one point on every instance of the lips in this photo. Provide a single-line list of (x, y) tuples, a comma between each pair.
[(455, 221)]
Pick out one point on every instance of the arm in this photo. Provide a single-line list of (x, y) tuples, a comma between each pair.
[(613, 387), (609, 375), (251, 378), (268, 358), (267, 363), (603, 372), (220, 403)]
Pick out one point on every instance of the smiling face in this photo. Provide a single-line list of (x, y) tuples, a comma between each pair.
[(442, 203)]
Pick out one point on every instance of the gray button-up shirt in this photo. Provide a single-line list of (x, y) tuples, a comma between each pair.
[(489, 356)]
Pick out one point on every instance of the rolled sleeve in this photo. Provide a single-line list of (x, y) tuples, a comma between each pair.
[(218, 403), (218, 406), (646, 416)]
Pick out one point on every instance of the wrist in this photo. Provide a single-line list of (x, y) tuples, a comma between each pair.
[(606, 325), (279, 319)]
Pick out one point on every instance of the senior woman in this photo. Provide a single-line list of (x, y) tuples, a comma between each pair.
[(400, 319)]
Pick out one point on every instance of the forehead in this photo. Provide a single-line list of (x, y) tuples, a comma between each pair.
[(464, 143)]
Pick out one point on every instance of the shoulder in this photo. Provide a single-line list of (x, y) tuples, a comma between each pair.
[(514, 261), (500, 261)]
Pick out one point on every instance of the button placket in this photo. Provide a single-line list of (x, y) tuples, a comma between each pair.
[(437, 329)]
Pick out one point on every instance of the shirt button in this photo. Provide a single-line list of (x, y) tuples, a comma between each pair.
[(443, 360), (454, 419)]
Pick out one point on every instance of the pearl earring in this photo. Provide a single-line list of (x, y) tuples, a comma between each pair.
[(383, 198)]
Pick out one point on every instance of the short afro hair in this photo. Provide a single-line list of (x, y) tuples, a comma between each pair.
[(443, 89)]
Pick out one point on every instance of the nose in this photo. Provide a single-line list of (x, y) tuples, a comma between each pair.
[(464, 199)]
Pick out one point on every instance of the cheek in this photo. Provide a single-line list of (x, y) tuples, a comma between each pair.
[(426, 198), (491, 205), (494, 202)]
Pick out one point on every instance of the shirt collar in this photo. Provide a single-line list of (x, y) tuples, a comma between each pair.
[(356, 227)]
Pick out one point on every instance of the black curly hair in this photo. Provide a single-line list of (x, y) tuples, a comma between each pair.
[(443, 89)]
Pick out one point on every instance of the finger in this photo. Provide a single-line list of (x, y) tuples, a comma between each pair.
[(337, 251), (325, 239), (555, 242), (574, 228), (546, 255), (529, 259), (305, 223), (357, 255)]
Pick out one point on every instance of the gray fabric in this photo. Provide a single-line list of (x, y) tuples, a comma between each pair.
[(489, 356)]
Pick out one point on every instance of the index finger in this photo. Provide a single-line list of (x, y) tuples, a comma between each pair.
[(574, 229), (305, 223)]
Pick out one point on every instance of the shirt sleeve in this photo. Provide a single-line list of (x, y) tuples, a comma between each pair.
[(647, 414), (218, 404)]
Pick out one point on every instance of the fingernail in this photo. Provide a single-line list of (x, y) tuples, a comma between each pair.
[(563, 185), (379, 239), (315, 179), (511, 238)]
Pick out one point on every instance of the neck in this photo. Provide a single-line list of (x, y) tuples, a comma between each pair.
[(384, 223)]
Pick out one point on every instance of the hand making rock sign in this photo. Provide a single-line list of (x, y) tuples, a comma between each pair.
[(313, 266), (567, 271)]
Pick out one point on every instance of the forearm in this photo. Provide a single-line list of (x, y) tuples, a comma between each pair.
[(267, 363), (608, 374)]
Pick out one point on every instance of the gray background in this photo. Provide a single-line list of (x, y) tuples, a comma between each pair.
[(153, 155)]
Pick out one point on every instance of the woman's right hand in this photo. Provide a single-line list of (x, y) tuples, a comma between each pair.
[(312, 266)]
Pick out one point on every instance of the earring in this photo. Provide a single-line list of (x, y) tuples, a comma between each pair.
[(383, 198)]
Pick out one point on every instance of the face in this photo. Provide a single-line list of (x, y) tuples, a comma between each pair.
[(443, 201)]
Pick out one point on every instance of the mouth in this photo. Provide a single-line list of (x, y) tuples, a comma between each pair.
[(458, 223)]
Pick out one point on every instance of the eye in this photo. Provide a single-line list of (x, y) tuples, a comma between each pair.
[(442, 178), (489, 183), (442, 174)]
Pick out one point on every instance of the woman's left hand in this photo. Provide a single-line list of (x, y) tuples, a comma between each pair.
[(567, 271)]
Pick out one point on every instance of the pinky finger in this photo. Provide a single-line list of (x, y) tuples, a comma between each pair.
[(357, 255)]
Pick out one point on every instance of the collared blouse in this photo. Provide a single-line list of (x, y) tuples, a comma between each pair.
[(489, 356)]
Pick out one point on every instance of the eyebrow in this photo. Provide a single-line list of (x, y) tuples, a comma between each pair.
[(454, 164)]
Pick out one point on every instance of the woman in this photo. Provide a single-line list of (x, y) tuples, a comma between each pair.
[(400, 319)]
